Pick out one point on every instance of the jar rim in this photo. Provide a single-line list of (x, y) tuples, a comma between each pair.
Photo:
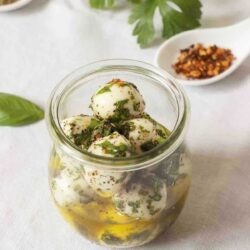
[(144, 160)]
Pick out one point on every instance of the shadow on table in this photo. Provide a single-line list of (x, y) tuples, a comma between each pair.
[(221, 21), (218, 201)]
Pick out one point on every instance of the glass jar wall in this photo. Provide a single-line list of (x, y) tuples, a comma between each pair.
[(120, 202)]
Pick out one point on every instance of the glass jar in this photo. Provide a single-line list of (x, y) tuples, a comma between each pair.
[(130, 200)]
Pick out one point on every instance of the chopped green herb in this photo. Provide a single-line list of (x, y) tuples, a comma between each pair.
[(120, 204), (120, 104), (151, 208), (136, 106), (120, 113), (105, 89), (126, 128), (146, 146), (94, 122), (85, 138), (103, 129), (115, 150), (143, 130), (161, 130), (135, 205)]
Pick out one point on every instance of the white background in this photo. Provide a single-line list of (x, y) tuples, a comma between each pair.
[(46, 40)]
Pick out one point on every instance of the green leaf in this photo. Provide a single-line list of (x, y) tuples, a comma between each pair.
[(142, 14), (134, 1), (176, 21), (17, 111), (101, 4), (177, 16)]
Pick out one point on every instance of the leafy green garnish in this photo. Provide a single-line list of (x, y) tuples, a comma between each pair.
[(126, 128), (143, 14), (136, 106), (86, 137), (104, 89), (135, 205), (148, 145), (17, 111), (151, 208), (115, 150), (83, 139), (121, 112), (101, 4), (119, 204), (120, 104), (176, 15), (161, 130), (103, 129)]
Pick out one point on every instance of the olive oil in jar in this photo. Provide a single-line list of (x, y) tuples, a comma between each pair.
[(97, 218)]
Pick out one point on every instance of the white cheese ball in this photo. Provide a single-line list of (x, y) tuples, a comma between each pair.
[(78, 127), (117, 100), (140, 131), (114, 145), (162, 132), (105, 182), (66, 160), (70, 188), (143, 200)]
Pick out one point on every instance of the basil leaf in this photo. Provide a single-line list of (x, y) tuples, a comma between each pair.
[(17, 111)]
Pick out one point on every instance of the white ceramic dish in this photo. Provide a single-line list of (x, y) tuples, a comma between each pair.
[(14, 6), (235, 37)]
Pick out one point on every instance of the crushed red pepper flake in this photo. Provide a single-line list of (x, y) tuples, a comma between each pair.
[(118, 81), (199, 62)]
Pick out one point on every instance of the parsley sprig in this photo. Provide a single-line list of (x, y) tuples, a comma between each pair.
[(176, 16), (101, 4)]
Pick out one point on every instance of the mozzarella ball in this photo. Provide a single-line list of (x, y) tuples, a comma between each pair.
[(105, 182), (144, 200), (114, 145), (140, 131), (117, 100), (162, 132), (70, 188), (79, 129), (66, 160)]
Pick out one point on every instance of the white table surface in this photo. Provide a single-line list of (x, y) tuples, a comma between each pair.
[(46, 40)]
